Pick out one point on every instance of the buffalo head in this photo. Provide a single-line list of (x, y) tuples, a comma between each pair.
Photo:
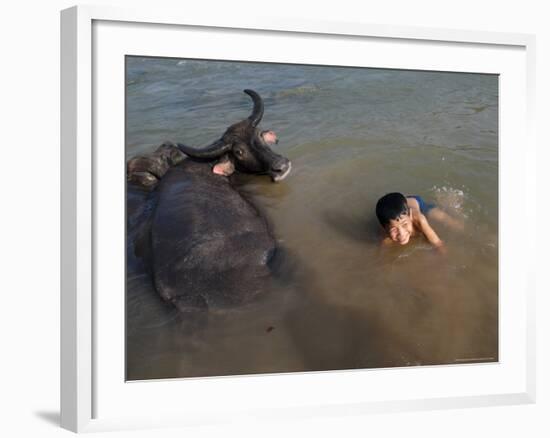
[(244, 147)]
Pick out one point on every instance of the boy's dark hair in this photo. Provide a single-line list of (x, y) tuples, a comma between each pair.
[(391, 206)]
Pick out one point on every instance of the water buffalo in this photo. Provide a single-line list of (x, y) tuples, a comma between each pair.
[(207, 246)]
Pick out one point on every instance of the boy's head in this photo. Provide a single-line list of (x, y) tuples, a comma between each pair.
[(395, 217)]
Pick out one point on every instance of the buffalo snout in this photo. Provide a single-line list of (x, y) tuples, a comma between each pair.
[(280, 168)]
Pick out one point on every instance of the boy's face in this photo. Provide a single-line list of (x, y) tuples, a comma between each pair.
[(400, 230)]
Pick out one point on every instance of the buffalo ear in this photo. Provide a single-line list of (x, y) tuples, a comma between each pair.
[(224, 167)]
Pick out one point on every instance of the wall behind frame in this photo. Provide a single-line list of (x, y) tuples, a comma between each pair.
[(29, 320)]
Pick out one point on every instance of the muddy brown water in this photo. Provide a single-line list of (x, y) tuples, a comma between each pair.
[(339, 302)]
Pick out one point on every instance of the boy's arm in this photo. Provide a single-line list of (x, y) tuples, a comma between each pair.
[(429, 232)]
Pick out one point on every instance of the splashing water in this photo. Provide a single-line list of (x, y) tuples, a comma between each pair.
[(449, 199)]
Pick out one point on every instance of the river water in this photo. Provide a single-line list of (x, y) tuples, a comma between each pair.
[(352, 134)]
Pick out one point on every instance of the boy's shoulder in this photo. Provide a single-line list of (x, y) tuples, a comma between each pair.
[(413, 203)]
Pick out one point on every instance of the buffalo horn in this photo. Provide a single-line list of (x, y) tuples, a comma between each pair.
[(258, 111), (215, 150)]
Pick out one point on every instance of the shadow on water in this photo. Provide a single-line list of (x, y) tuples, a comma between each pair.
[(361, 228)]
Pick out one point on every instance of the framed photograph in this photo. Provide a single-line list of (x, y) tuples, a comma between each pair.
[(291, 220)]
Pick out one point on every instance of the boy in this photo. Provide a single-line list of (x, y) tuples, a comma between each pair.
[(404, 217)]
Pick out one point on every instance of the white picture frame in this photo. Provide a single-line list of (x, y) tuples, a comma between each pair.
[(93, 398)]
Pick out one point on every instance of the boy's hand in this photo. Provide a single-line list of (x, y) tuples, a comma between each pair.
[(429, 233), (441, 248)]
